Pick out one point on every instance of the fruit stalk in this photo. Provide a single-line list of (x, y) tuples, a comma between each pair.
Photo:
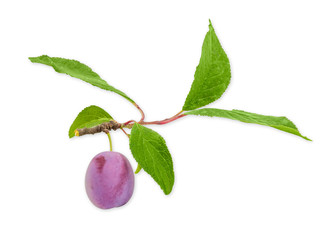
[(110, 141)]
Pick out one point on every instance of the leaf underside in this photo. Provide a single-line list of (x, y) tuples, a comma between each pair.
[(212, 75), (281, 123), (78, 70), (150, 151), (89, 117)]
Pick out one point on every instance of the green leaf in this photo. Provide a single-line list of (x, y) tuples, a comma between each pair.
[(89, 117), (78, 70), (281, 123), (151, 153), (212, 75)]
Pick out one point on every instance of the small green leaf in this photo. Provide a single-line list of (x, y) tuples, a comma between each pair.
[(151, 153), (89, 117), (281, 123), (78, 70), (212, 75)]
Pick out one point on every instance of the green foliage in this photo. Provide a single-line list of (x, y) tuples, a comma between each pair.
[(212, 75), (281, 123), (211, 79), (150, 151), (89, 117), (78, 70)]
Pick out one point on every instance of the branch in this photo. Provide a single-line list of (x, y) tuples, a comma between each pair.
[(141, 112), (104, 127), (113, 125), (167, 120)]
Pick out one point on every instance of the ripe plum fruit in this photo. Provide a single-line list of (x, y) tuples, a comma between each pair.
[(109, 180)]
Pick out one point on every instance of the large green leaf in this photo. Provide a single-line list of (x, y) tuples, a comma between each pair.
[(89, 117), (151, 153), (212, 75), (281, 123), (78, 70)]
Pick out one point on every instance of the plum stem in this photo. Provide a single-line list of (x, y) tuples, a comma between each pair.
[(110, 141)]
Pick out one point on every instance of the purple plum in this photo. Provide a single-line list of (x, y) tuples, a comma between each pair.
[(109, 180)]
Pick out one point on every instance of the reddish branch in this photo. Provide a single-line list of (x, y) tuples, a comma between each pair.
[(165, 121), (113, 125), (140, 110)]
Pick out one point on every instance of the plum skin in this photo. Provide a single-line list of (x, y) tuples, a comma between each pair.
[(109, 180)]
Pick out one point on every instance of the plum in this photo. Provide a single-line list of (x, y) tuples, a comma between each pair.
[(109, 180)]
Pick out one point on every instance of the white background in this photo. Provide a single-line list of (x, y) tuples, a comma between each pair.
[(233, 180)]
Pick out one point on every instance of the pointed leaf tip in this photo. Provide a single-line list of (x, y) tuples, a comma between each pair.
[(212, 75), (78, 70), (280, 123)]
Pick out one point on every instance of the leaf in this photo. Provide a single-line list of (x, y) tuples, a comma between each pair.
[(281, 123), (212, 75), (151, 153), (78, 70), (89, 117)]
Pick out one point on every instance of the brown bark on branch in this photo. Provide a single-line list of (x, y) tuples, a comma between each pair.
[(104, 127)]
